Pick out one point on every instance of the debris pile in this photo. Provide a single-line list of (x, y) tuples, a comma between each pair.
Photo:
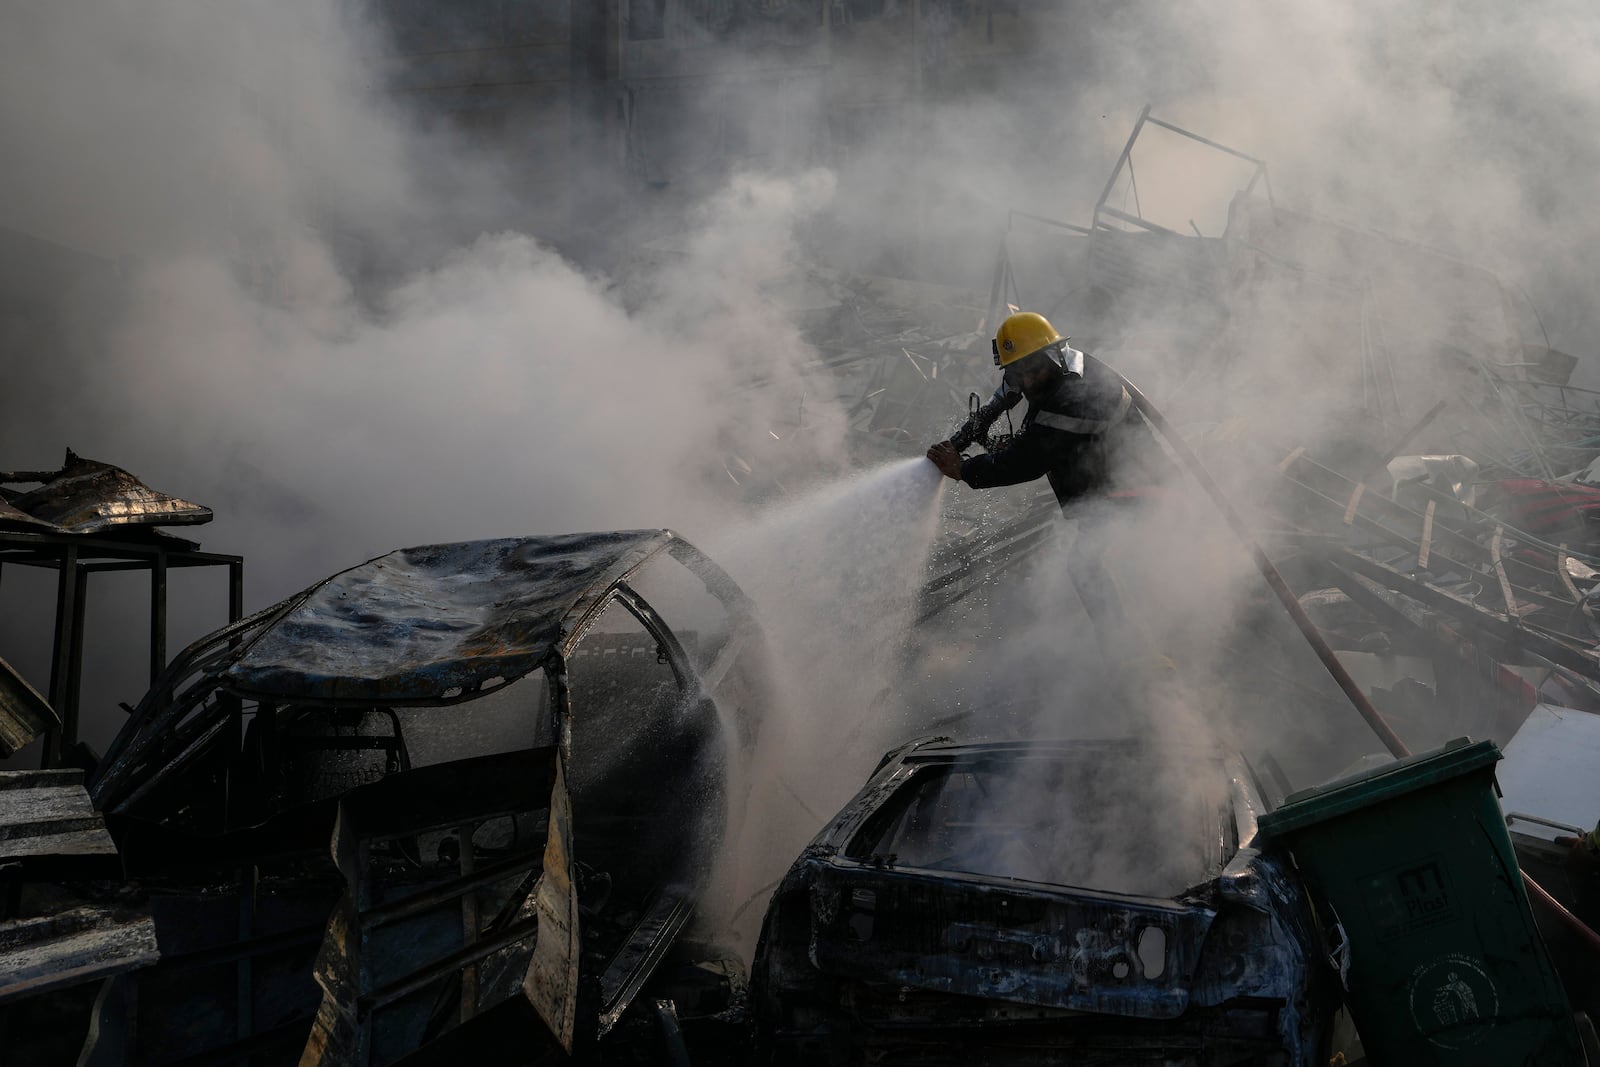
[(453, 793), (466, 797), (1440, 527)]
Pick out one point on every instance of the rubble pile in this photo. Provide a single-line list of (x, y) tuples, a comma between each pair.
[(461, 803)]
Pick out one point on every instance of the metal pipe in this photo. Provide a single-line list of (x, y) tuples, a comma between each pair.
[(666, 1013), (1205, 141), (445, 892), (158, 616), (69, 710), (427, 975), (1575, 926), (1127, 150), (61, 651), (235, 589), (1268, 570), (1074, 227)]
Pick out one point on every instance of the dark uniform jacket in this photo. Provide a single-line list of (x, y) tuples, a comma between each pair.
[(1067, 435)]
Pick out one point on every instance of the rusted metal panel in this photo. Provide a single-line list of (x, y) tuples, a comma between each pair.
[(551, 985), (400, 933), (336, 1035), (86, 496), (47, 823), (85, 944), (24, 714), (435, 622)]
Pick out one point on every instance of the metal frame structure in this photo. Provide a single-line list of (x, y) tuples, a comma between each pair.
[(74, 558), (1003, 291), (1125, 160)]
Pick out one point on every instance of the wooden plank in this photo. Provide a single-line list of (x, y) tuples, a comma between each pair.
[(1355, 502), (1326, 488), (1500, 572), (48, 813), (1565, 575), (1475, 616), (1442, 554), (86, 944), (1427, 538), (1389, 515)]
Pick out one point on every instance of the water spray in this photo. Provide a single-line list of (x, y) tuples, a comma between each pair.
[(835, 574)]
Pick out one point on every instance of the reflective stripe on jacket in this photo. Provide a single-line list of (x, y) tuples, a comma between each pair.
[(1063, 436), (1070, 424)]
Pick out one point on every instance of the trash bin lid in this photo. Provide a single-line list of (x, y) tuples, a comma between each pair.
[(1342, 796)]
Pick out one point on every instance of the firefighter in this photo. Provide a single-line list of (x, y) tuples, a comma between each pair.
[(1076, 413), (1077, 424)]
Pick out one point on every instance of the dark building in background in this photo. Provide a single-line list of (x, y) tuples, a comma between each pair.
[(604, 106)]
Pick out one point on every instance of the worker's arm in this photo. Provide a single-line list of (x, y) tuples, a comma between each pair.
[(1030, 455)]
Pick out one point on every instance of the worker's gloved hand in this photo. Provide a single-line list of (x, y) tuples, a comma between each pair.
[(946, 458)]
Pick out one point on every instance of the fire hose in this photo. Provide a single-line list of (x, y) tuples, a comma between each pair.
[(979, 418), (1308, 629)]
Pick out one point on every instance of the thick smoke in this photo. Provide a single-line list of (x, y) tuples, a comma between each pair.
[(835, 573), (331, 407), (348, 331)]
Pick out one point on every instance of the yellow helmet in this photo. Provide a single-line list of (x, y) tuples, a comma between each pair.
[(1021, 335)]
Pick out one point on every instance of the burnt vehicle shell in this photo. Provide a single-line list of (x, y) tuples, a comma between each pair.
[(320, 896), (872, 956)]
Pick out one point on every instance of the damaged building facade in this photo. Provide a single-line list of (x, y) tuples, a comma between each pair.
[(634, 109)]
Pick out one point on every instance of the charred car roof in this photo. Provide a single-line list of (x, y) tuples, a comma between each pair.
[(431, 625), (420, 623)]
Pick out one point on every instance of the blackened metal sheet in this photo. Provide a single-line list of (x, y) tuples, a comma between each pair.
[(86, 496), (71, 947), (420, 623), (551, 981), (24, 714), (394, 934), (655, 933), (48, 825), (12, 519), (999, 940)]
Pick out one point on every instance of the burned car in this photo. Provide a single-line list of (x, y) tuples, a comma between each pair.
[(1036, 902), (456, 799)]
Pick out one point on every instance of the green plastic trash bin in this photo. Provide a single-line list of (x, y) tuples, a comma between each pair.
[(1413, 861)]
